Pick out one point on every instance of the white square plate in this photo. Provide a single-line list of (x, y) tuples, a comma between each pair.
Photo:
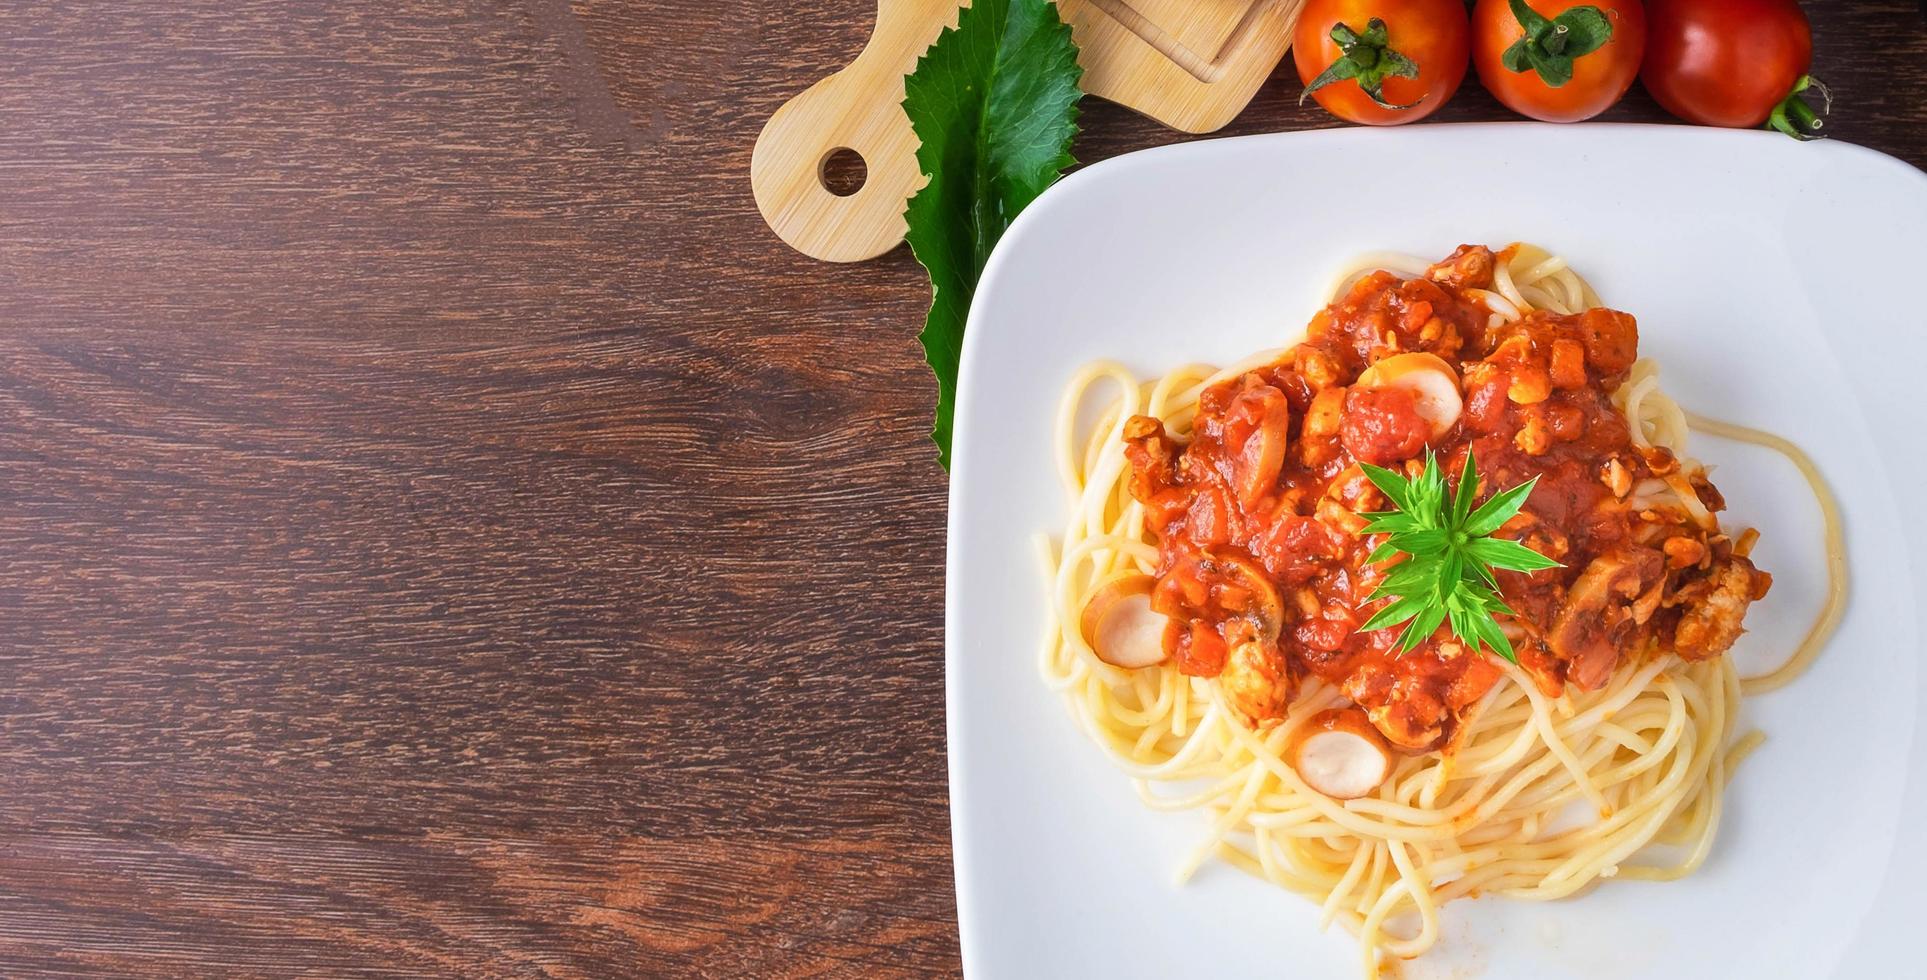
[(1776, 282)]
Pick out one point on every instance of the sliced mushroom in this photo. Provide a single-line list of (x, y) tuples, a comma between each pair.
[(1429, 378), (1599, 606), (1120, 625), (1339, 753), (1262, 414), (1239, 595)]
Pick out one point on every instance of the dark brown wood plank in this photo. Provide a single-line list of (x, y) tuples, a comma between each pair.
[(442, 531)]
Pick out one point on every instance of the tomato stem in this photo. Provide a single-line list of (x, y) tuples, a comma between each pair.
[(1795, 117), (1555, 42), (1368, 57), (1547, 47)]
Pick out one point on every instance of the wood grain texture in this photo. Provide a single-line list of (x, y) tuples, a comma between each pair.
[(1131, 54), (443, 532)]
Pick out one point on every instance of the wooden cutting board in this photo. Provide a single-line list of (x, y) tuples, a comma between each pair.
[(1190, 64)]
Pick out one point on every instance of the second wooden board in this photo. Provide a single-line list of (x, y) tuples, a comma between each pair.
[(1191, 64)]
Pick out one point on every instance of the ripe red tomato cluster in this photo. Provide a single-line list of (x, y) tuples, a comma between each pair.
[(1712, 62)]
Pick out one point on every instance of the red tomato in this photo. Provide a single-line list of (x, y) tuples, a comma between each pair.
[(1728, 62), (1381, 62), (1580, 57)]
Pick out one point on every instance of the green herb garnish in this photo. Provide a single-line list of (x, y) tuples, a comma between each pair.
[(994, 104), (1550, 45), (1450, 556)]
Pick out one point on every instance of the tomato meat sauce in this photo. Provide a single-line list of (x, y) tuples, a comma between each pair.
[(1262, 566)]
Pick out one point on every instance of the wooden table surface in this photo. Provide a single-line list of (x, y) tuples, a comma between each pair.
[(442, 531)]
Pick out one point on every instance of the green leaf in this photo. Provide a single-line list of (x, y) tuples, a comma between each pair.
[(1463, 617), (1397, 612), (1412, 577), (1487, 599), (1447, 575), (1412, 635), (1468, 489), (1451, 571), (1510, 555), (1423, 626), (1480, 574), (1587, 30), (1493, 514), (1493, 638), (1430, 495), (1415, 576), (1393, 485), (994, 105), (1429, 541), (1390, 522)]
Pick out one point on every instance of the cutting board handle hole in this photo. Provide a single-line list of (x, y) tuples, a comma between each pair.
[(842, 171)]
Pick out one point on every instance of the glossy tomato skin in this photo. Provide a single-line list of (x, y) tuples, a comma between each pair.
[(1725, 62), (1599, 79), (1433, 33)]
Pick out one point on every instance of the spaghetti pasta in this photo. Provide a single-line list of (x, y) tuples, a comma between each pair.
[(1538, 795)]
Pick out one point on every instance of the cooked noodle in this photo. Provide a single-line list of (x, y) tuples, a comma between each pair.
[(1538, 797)]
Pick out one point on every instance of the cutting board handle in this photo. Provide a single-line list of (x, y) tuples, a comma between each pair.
[(859, 108), (1126, 56)]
